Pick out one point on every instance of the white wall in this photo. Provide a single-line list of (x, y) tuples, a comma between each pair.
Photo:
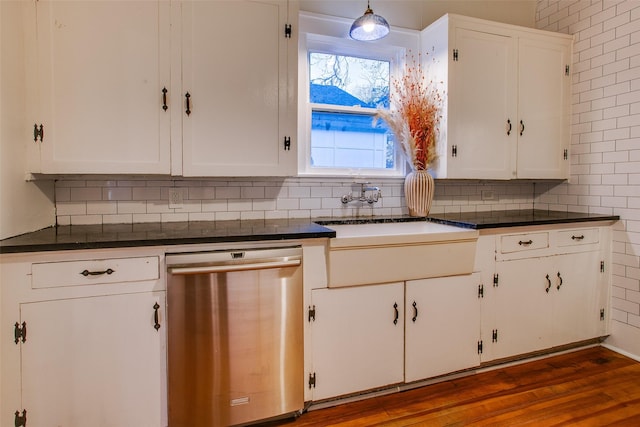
[(24, 206), (605, 146), (417, 14)]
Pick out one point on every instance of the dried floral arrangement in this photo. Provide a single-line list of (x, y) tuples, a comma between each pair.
[(415, 114)]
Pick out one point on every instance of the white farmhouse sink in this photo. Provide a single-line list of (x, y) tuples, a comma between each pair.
[(369, 253), (386, 233)]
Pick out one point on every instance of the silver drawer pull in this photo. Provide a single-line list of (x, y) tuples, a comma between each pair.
[(525, 242), (580, 237), (86, 273)]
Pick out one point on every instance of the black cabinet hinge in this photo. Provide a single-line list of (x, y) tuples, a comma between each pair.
[(565, 154), (480, 347), (20, 332), (312, 380), (602, 314), (312, 313), (287, 30), (287, 143), (454, 151), (455, 54), (495, 280), (38, 132), (494, 335), (601, 266), (480, 291), (566, 70), (20, 420)]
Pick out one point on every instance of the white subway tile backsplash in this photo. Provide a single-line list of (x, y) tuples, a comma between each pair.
[(145, 193), (120, 193), (202, 216), (85, 219), (85, 193), (102, 207), (310, 203), (62, 194), (117, 219), (227, 192), (252, 192), (71, 208), (200, 193), (174, 217), (249, 215), (149, 217), (132, 207), (215, 206)]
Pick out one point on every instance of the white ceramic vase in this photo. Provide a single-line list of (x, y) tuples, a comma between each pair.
[(418, 192)]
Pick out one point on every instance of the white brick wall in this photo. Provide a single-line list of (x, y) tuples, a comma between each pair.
[(102, 201), (605, 147)]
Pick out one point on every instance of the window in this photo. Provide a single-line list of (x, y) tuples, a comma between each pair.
[(342, 83), (344, 93)]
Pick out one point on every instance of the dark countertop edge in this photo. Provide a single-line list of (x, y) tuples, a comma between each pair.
[(318, 228), (50, 247), (523, 223)]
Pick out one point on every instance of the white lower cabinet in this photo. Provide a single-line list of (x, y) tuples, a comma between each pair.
[(534, 290), (357, 338), (90, 339), (93, 361), (550, 289), (521, 308), (575, 309), (367, 337), (442, 326)]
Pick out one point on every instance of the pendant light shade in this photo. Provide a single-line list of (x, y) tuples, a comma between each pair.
[(369, 26)]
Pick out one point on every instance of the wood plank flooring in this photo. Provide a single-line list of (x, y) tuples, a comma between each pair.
[(589, 387)]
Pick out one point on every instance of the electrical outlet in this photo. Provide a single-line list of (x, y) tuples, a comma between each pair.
[(176, 198), (487, 195)]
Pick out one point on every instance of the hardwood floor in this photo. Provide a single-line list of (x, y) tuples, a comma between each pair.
[(590, 387)]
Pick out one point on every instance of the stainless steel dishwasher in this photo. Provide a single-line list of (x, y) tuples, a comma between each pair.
[(235, 343)]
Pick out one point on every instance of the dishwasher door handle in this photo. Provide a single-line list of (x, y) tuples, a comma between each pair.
[(227, 268)]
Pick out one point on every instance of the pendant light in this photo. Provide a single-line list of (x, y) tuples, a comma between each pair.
[(369, 26)]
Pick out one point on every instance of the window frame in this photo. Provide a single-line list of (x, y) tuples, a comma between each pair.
[(325, 34)]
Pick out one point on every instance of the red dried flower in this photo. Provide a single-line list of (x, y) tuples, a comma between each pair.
[(415, 114)]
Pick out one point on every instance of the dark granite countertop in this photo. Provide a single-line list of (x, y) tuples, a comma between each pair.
[(183, 233), (516, 218), (157, 234)]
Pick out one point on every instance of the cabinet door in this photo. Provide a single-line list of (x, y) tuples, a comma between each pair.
[(235, 72), (523, 307), (576, 315), (483, 100), (543, 109), (442, 326), (101, 69), (357, 338), (94, 361)]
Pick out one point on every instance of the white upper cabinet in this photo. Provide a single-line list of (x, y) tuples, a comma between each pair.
[(237, 75), (543, 107), (192, 88), (96, 86), (507, 106)]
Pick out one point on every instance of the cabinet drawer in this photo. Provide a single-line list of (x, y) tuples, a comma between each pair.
[(523, 242), (583, 236), (94, 272)]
